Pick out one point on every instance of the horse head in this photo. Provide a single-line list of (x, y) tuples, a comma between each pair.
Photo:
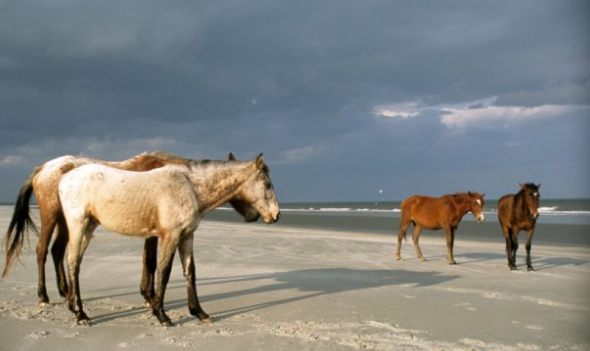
[(259, 192), (530, 194), (476, 205), (243, 207)]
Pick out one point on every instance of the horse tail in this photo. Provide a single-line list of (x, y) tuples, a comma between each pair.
[(405, 217), (20, 224)]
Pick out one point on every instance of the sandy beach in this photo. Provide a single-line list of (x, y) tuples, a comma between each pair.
[(272, 287)]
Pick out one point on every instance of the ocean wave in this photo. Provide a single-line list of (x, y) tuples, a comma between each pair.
[(547, 211), (340, 210), (564, 213)]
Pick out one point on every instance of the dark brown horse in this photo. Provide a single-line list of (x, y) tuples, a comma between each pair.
[(432, 213), (44, 180), (519, 212)]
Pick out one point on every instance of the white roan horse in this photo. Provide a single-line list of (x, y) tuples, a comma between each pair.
[(44, 181), (167, 203)]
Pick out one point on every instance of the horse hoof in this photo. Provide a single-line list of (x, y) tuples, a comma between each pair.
[(167, 324), (422, 259), (206, 321), (530, 269), (84, 322), (200, 314), (147, 304), (512, 268), (452, 263), (44, 304)]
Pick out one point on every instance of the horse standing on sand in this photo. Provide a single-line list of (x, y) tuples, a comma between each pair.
[(444, 212), (518, 212), (43, 181), (168, 203), (150, 251)]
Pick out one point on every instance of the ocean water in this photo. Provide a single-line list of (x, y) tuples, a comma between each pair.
[(561, 221), (566, 211)]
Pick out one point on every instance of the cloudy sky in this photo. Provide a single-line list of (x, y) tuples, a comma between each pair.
[(344, 97)]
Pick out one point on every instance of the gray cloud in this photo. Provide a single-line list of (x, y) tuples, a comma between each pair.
[(299, 80)]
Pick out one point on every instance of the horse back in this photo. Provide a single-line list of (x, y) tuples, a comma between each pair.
[(46, 181), (144, 162), (429, 212)]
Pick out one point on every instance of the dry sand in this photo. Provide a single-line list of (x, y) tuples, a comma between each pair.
[(279, 288)]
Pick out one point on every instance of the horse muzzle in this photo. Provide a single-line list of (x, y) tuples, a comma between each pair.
[(270, 218), (481, 219), (534, 215)]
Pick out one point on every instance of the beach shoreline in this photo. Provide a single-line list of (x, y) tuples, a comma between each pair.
[(288, 288)]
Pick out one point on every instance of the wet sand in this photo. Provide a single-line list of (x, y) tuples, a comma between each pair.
[(281, 288)]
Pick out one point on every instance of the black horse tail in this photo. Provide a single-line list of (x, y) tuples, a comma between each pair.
[(20, 224)]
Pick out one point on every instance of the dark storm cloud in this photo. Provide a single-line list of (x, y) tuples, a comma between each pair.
[(304, 81)]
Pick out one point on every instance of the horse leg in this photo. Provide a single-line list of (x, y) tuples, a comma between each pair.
[(529, 240), (76, 252), (450, 233), (416, 239), (150, 262), (403, 227), (58, 251), (508, 236), (185, 248), (514, 241), (167, 248), (48, 223)]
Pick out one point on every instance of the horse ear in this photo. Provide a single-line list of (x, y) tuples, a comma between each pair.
[(231, 157), (260, 161), (522, 186), (538, 186), (483, 195)]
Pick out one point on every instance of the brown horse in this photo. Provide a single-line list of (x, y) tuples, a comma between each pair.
[(519, 212), (432, 213), (43, 181)]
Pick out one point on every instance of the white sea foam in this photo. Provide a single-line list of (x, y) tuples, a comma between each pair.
[(341, 210), (551, 211), (554, 211)]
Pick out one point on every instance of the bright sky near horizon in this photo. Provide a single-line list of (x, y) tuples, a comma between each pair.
[(348, 100)]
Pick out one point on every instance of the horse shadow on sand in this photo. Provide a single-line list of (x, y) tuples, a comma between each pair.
[(308, 284), (462, 258), (554, 262), (473, 257), (539, 263)]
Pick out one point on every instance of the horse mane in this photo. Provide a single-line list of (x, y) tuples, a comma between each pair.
[(468, 194), (172, 158), (168, 156), (265, 169), (193, 163), (531, 186)]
